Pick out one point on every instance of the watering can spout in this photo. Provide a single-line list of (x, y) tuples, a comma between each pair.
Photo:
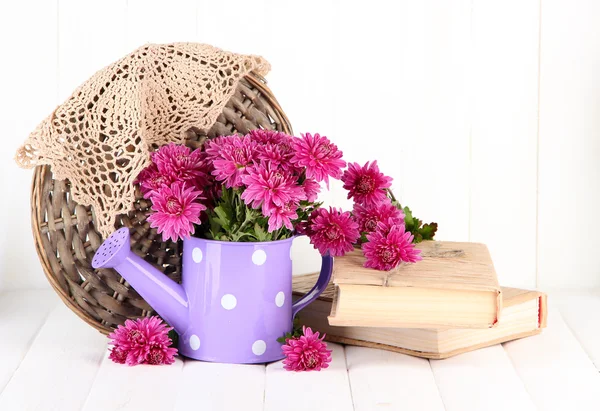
[(164, 295)]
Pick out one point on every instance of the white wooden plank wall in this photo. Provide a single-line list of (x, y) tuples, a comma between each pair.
[(569, 146), (29, 72), (443, 94), (504, 108)]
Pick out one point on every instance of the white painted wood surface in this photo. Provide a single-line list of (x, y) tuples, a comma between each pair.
[(387, 380), (61, 346), (221, 387), (491, 379), (585, 327), (555, 369), (51, 360), (326, 390), (21, 316), (443, 94)]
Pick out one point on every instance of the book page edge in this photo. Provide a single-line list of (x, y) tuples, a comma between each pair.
[(429, 355)]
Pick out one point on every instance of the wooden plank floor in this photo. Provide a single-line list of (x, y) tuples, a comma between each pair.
[(51, 360)]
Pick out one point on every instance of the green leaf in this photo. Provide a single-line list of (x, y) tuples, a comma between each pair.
[(174, 337), (215, 227), (408, 218), (363, 238), (296, 332), (285, 337), (260, 233), (413, 224), (223, 219), (428, 231)]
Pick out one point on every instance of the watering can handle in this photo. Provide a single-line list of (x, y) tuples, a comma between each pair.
[(319, 287)]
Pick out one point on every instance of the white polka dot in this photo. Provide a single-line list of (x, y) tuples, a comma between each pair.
[(280, 299), (259, 257), (228, 301), (197, 255), (194, 342), (259, 347)]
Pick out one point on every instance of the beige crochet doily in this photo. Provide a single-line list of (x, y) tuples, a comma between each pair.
[(101, 137)]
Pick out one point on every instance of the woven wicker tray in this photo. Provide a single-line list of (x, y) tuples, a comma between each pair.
[(66, 238)]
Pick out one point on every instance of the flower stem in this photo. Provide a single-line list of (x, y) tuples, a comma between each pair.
[(245, 223), (392, 195)]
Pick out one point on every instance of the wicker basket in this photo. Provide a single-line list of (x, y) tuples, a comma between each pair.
[(66, 238)]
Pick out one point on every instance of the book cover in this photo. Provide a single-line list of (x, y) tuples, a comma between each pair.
[(455, 285), (525, 314)]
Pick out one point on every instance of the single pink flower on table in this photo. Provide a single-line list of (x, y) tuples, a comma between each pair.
[(118, 355), (368, 217), (180, 163), (306, 353), (142, 341), (282, 216), (332, 231), (230, 157), (160, 354), (176, 210), (268, 187), (366, 184), (388, 246), (151, 180), (320, 156)]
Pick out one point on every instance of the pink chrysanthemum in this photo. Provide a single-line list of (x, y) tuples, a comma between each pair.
[(274, 148), (151, 180), (282, 216), (159, 354), (269, 188), (231, 156), (366, 184), (301, 228), (142, 341), (388, 246), (311, 189), (269, 136), (181, 164), (368, 217), (176, 210), (118, 355), (276, 155), (320, 156), (332, 231), (306, 353)]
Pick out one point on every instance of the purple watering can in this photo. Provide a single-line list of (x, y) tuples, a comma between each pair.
[(234, 301)]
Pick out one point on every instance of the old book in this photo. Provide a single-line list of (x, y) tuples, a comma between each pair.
[(524, 314), (455, 286)]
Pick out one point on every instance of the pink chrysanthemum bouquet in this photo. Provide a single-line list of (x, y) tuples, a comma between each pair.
[(264, 187)]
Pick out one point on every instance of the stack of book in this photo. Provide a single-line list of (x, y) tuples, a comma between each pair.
[(447, 304)]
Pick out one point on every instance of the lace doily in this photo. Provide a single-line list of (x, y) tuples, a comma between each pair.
[(102, 136)]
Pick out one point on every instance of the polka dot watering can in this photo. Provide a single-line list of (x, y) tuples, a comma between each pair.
[(235, 299)]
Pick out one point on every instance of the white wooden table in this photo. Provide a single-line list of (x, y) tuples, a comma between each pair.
[(51, 360)]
